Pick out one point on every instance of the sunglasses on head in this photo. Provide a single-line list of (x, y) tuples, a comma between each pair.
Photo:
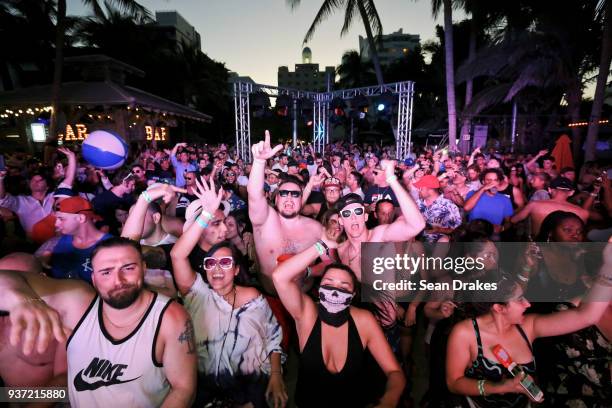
[(347, 213), (225, 262), (285, 193)]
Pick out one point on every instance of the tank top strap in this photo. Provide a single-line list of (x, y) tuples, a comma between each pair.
[(354, 339), (520, 330), (478, 340)]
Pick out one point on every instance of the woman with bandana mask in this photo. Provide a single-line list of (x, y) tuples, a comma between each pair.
[(333, 336)]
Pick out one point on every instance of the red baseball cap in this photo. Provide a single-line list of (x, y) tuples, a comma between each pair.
[(74, 205), (429, 181)]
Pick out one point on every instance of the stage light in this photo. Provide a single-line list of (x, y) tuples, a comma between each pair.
[(380, 107)]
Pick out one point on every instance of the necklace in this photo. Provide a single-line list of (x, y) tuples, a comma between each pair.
[(127, 325), (226, 296), (352, 258)]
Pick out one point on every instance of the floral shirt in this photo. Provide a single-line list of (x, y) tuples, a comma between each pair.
[(441, 213), (578, 368)]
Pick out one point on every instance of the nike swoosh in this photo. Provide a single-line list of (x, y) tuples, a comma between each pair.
[(81, 385)]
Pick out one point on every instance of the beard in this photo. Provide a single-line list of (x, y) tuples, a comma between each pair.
[(125, 297), (288, 215)]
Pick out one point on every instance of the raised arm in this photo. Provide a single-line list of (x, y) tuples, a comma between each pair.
[(285, 277), (589, 311), (135, 221), (530, 165), (72, 165), (412, 222), (184, 275), (258, 205)]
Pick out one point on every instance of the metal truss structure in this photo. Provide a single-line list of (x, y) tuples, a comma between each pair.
[(321, 106)]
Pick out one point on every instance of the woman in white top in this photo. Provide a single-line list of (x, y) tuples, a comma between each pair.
[(237, 336)]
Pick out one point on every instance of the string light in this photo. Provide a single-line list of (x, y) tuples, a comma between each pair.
[(576, 124)]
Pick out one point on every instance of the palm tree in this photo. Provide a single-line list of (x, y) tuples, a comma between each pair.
[(354, 72), (602, 77), (369, 16), (131, 7), (450, 69)]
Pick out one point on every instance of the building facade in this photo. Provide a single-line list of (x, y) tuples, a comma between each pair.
[(393, 46), (178, 29), (306, 76)]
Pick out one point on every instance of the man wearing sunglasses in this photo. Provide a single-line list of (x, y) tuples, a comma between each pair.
[(280, 229), (353, 218)]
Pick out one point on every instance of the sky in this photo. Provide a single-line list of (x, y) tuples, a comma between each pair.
[(255, 37)]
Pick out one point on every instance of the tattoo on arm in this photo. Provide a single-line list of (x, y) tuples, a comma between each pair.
[(187, 336)]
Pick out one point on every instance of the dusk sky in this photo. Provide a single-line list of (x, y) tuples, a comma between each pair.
[(255, 37)]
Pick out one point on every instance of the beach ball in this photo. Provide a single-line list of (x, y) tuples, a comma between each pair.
[(105, 150)]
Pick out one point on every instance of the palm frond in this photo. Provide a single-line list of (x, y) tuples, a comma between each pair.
[(373, 18), (293, 4), (133, 8), (351, 7), (95, 7), (326, 9), (436, 7), (488, 97)]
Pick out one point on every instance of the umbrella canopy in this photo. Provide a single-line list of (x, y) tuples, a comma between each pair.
[(563, 152)]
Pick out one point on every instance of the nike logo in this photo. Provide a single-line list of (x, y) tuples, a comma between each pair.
[(81, 385)]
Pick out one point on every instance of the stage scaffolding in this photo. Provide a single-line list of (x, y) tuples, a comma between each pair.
[(321, 112)]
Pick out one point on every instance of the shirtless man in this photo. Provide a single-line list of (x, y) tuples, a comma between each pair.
[(561, 189), (353, 219), (45, 368), (280, 230)]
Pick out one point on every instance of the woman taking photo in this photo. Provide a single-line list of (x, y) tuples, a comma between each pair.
[(333, 336), (237, 336), (473, 371)]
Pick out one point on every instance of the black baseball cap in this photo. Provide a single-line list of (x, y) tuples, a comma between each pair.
[(562, 183), (347, 200)]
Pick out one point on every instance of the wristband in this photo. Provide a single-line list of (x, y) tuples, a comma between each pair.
[(206, 215), (308, 271), (146, 196), (526, 268), (320, 248), (324, 245), (392, 178), (593, 194), (201, 222), (522, 278)]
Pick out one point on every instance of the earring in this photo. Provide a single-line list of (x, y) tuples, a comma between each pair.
[(548, 239)]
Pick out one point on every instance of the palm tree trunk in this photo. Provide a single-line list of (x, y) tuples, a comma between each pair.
[(371, 43), (602, 76), (574, 98), (450, 75), (466, 123), (59, 62)]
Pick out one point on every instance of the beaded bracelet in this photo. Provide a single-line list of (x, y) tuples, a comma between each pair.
[(481, 390), (201, 222)]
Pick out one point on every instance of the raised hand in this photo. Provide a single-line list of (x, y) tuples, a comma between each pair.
[(389, 167), (205, 192), (164, 191), (263, 150), (65, 151), (318, 179)]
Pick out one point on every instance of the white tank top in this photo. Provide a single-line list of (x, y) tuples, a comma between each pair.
[(103, 372)]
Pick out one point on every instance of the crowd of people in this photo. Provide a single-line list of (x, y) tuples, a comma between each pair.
[(194, 277)]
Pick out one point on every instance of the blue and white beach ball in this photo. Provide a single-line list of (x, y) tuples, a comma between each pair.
[(105, 150)]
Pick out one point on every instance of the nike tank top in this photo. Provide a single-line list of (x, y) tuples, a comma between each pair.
[(104, 372)]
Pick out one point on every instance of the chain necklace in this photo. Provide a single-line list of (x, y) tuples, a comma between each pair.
[(127, 325)]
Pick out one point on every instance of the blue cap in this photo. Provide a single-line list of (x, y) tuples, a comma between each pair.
[(409, 162), (64, 192)]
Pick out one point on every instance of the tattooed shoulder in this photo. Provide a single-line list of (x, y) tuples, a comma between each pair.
[(187, 336)]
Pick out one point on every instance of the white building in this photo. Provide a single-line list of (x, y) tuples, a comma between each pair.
[(393, 46)]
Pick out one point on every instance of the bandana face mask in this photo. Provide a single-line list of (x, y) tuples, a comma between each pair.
[(334, 305)]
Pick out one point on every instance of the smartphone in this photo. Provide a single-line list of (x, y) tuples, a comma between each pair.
[(2, 164), (515, 369)]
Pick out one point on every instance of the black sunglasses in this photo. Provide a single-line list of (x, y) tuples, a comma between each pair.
[(285, 193)]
